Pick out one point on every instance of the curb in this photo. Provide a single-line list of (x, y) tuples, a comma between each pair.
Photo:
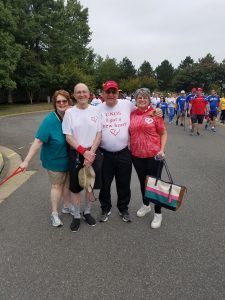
[(25, 113), (11, 161), (1, 162)]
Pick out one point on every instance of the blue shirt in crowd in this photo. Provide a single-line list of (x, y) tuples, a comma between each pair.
[(163, 106), (214, 101), (181, 100)]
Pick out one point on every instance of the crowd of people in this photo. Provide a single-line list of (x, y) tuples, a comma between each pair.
[(110, 132)]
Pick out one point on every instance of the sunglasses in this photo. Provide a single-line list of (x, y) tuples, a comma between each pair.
[(61, 101), (111, 91)]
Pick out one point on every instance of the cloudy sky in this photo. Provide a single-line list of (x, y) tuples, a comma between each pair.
[(155, 30)]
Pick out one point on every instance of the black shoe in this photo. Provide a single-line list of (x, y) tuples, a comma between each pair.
[(89, 219), (75, 225), (104, 216), (181, 124), (125, 216), (176, 122)]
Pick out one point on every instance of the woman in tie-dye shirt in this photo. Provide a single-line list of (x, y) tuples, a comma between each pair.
[(148, 138)]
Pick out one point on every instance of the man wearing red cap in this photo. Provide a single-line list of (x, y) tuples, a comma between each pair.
[(115, 114), (198, 108)]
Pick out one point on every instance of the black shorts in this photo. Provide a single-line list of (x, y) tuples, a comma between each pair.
[(197, 119), (76, 162), (212, 115)]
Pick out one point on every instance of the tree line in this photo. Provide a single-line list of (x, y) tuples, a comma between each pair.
[(45, 46)]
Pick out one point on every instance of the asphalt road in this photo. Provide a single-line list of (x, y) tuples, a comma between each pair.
[(184, 259)]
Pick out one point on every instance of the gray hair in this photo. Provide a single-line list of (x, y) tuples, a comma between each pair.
[(142, 92)]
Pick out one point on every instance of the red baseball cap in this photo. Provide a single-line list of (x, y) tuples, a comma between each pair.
[(193, 90), (199, 89), (110, 84)]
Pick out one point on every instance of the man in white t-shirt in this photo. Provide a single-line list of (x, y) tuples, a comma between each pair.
[(115, 115), (82, 127)]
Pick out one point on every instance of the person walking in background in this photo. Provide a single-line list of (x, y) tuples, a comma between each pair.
[(171, 101), (222, 109), (181, 106), (54, 154), (148, 138), (198, 108), (188, 99), (214, 104), (163, 105), (82, 127), (155, 100), (96, 101)]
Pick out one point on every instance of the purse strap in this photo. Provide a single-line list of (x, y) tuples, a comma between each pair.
[(167, 171)]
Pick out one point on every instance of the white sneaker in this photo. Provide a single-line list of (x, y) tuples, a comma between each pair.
[(68, 210), (143, 210), (157, 220), (56, 222)]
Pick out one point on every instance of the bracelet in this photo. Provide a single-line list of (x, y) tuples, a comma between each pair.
[(81, 149)]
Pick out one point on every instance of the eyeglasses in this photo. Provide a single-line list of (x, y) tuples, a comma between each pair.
[(61, 101), (111, 91)]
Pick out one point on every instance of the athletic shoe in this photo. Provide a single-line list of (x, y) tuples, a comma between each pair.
[(191, 132), (75, 225), (56, 222), (143, 210), (213, 129), (104, 216), (89, 219), (157, 220), (125, 216), (68, 210)]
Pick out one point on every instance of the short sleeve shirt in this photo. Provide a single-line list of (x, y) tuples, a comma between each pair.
[(115, 125), (214, 102), (198, 105), (181, 100), (54, 151), (145, 131), (83, 124)]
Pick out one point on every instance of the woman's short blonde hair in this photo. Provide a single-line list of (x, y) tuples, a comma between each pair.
[(143, 92)]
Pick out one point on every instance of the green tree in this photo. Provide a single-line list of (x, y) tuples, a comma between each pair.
[(9, 50), (164, 73), (131, 84), (145, 69), (127, 69), (206, 73), (107, 69), (187, 62)]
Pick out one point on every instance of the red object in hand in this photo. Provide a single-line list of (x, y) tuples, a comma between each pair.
[(81, 149), (17, 171)]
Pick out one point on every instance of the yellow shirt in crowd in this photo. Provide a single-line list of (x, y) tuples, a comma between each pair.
[(222, 103)]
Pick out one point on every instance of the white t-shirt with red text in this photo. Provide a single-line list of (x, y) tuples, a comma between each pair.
[(115, 125), (83, 124)]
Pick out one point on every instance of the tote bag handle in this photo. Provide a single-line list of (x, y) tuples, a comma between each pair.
[(167, 172)]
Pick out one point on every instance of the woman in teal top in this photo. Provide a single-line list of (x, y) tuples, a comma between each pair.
[(54, 154)]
